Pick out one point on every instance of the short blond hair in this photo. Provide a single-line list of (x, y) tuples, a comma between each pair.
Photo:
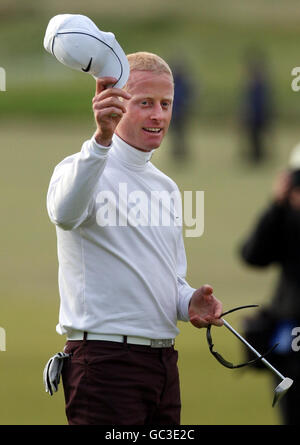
[(144, 61)]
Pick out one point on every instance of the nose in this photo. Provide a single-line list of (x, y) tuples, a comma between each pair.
[(156, 112)]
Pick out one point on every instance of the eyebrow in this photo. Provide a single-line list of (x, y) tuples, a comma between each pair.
[(139, 97)]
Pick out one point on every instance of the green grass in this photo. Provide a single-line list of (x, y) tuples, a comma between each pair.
[(234, 194)]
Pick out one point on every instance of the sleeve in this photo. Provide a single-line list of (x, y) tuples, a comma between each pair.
[(70, 193), (185, 291), (264, 244)]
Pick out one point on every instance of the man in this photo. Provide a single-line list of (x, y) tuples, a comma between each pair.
[(275, 240), (121, 283), (256, 107)]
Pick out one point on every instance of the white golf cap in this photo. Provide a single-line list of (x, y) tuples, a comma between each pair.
[(294, 161), (78, 43)]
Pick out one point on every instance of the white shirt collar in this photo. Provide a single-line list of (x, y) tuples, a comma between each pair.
[(129, 155)]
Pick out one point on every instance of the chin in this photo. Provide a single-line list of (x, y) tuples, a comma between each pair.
[(147, 147), (153, 145)]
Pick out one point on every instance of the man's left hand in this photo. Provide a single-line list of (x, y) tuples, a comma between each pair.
[(205, 308)]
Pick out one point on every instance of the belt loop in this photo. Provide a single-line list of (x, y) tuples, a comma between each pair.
[(85, 336), (125, 340)]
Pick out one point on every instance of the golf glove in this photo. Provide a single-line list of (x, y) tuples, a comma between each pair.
[(52, 372)]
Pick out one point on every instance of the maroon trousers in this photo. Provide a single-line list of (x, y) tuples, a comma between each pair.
[(109, 383)]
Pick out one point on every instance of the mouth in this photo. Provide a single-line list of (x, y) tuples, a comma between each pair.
[(152, 130)]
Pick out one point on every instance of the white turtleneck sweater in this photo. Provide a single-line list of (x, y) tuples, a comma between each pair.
[(121, 270)]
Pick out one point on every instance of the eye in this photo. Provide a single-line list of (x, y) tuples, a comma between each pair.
[(166, 104)]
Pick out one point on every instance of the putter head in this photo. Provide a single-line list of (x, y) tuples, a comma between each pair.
[(281, 389)]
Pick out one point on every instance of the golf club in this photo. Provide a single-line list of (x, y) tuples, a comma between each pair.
[(285, 383)]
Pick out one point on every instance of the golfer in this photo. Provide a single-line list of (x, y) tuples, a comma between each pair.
[(122, 278)]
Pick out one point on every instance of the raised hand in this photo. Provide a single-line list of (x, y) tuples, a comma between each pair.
[(108, 107)]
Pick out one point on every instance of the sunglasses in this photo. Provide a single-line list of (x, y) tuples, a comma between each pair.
[(219, 357)]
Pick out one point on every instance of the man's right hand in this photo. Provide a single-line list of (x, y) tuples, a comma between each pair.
[(108, 109)]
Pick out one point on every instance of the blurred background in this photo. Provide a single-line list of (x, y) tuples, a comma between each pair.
[(233, 63)]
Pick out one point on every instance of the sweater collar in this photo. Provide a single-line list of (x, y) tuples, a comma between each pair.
[(129, 155)]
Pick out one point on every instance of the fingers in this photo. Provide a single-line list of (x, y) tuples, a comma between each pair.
[(210, 298), (199, 322), (207, 289), (108, 114), (108, 108), (103, 83), (218, 308), (109, 102), (106, 84), (108, 99), (218, 322), (205, 308), (112, 92), (214, 321)]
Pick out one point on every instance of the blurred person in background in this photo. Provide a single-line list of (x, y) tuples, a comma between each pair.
[(256, 108), (275, 239), (182, 109)]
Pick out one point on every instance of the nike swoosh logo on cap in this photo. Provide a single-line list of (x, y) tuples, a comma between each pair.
[(88, 67)]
